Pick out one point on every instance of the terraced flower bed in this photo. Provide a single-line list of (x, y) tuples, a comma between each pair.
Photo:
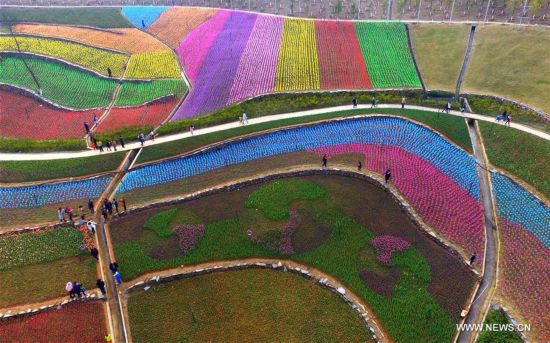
[(153, 65), (35, 266), (143, 16), (77, 322), (85, 56), (524, 272), (134, 93), (334, 221), (225, 312)]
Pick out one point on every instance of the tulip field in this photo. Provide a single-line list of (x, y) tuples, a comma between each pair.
[(85, 56), (134, 93), (152, 65), (524, 268), (139, 15)]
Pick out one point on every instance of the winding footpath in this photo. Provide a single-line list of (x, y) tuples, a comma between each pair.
[(264, 119)]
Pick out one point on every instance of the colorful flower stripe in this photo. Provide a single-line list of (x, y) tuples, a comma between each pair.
[(340, 59), (140, 15), (212, 85), (441, 202), (258, 65), (152, 114), (153, 65), (524, 275), (416, 139), (518, 206), (298, 65), (386, 245), (175, 23), (25, 117), (40, 195), (194, 48), (386, 53)]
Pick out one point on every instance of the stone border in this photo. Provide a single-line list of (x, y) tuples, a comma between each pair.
[(283, 266), (17, 231), (55, 304), (545, 116)]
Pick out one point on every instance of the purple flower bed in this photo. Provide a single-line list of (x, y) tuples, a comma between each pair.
[(285, 246), (189, 236), (258, 66), (386, 245), (213, 81)]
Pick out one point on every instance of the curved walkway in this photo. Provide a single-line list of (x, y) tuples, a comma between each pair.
[(307, 271), (264, 119)]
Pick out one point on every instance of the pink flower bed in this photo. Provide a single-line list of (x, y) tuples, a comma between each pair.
[(258, 65), (436, 197), (189, 236), (195, 46), (386, 245), (524, 276)]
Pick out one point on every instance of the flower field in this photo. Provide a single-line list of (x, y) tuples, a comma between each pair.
[(175, 23), (24, 117), (149, 114), (386, 245), (139, 15), (524, 268), (130, 40), (85, 56), (152, 65), (43, 194), (298, 65), (77, 322), (134, 93), (386, 53)]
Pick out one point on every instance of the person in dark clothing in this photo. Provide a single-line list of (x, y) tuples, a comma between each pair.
[(354, 102), (95, 253), (87, 127), (387, 175), (472, 258), (77, 289), (113, 266), (143, 23), (108, 145), (101, 285), (359, 166), (109, 72), (505, 115), (325, 160), (104, 213), (121, 140), (373, 102), (109, 206), (115, 202), (91, 206), (141, 138)]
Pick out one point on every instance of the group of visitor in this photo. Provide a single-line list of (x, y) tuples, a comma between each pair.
[(505, 117)]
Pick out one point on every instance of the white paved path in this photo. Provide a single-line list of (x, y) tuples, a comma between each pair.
[(174, 137)]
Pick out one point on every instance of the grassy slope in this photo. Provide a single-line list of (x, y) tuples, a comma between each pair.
[(242, 306), (497, 317), (23, 171), (510, 61), (522, 154), (89, 16), (439, 50)]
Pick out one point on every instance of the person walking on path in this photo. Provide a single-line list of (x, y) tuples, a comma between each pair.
[(61, 214), (69, 289), (359, 166), (108, 145), (95, 253), (152, 135), (113, 144), (448, 107), (117, 277), (325, 160), (91, 206), (121, 141), (104, 213), (91, 226), (141, 138), (472, 258), (87, 127), (101, 285), (245, 118), (373, 102), (354, 102), (69, 212), (77, 289), (100, 146), (191, 129), (387, 175), (508, 120), (115, 203), (123, 202), (113, 267), (94, 120), (403, 100)]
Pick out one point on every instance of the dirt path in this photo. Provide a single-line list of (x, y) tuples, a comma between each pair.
[(307, 271), (483, 296)]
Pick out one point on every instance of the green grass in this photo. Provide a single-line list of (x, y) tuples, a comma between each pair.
[(104, 17), (135, 93), (453, 127), (24, 171), (38, 247), (507, 61), (497, 317), (439, 50), (386, 52), (410, 315), (8, 144), (521, 154), (160, 223), (243, 306)]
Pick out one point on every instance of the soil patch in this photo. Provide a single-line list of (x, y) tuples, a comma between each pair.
[(309, 234), (168, 249), (381, 284)]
